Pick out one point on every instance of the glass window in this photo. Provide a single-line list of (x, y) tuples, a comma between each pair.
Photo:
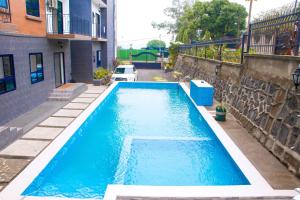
[(32, 7), (7, 74), (120, 71), (3, 4), (36, 67)]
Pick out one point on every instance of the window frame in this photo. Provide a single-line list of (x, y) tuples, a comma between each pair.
[(6, 5), (13, 77), (32, 14), (36, 72)]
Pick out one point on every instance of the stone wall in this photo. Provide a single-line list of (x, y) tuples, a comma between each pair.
[(261, 95)]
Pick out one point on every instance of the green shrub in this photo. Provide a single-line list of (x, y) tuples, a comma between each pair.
[(101, 73)]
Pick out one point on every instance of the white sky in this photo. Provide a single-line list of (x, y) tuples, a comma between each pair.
[(134, 19)]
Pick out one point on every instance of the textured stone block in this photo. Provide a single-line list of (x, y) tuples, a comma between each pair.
[(43, 133), (67, 113), (9, 168), (24, 148), (86, 95), (76, 106), (57, 122), (83, 100)]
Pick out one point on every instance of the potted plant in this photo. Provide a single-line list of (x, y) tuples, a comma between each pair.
[(101, 76), (221, 112)]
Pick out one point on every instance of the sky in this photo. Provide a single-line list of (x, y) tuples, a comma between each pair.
[(134, 19)]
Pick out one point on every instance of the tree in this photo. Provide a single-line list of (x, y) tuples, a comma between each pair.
[(218, 17), (156, 44)]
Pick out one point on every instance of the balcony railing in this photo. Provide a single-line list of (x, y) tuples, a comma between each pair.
[(98, 31), (5, 16), (66, 24)]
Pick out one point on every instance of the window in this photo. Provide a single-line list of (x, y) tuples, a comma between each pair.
[(32, 7), (7, 74), (36, 67), (3, 4)]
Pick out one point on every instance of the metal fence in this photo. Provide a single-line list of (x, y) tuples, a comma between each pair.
[(227, 50), (278, 36), (272, 36)]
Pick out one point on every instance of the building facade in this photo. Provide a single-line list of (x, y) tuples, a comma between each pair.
[(47, 43)]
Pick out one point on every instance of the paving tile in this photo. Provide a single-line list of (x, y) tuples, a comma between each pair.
[(67, 113), (43, 133), (93, 92), (87, 95), (83, 100), (59, 122), (76, 106), (24, 148), (9, 168)]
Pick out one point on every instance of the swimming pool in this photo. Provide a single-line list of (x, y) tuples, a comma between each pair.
[(148, 134)]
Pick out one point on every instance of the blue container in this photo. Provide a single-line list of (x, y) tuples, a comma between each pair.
[(202, 93)]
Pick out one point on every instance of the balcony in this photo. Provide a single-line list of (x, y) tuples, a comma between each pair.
[(68, 27)]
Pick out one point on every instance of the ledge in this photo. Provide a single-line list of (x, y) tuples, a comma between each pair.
[(33, 18), (275, 57)]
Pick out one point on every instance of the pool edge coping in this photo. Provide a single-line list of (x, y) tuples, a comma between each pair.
[(15, 188)]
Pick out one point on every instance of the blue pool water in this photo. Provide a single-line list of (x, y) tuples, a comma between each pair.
[(141, 134)]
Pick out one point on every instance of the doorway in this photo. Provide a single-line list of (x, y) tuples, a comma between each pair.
[(59, 68)]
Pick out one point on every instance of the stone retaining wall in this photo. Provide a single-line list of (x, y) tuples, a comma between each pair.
[(261, 95)]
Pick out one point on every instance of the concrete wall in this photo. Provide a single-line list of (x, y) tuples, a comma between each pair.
[(82, 61), (111, 32), (261, 95), (27, 95)]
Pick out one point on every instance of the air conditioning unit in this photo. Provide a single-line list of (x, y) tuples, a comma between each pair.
[(52, 4)]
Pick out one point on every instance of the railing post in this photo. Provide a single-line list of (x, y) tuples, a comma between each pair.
[(296, 48), (249, 38), (243, 48), (205, 56)]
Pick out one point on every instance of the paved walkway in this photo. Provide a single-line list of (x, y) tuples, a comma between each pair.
[(152, 75), (275, 173), (19, 154)]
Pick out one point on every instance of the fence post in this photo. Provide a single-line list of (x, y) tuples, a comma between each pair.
[(205, 56), (249, 38), (243, 48), (220, 53), (296, 48)]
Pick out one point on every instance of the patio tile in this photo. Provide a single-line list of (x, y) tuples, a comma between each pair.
[(59, 122), (83, 100), (93, 92), (87, 95), (43, 133), (24, 148), (9, 168), (67, 113), (76, 106)]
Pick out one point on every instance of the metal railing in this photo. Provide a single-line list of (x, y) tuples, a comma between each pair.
[(5, 16), (275, 36), (227, 50), (98, 30), (66, 24)]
